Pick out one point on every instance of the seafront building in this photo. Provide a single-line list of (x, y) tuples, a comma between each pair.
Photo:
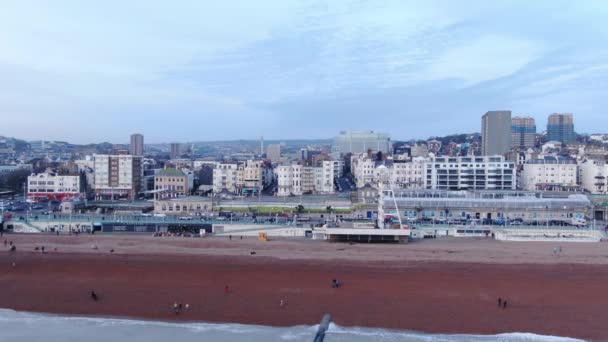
[(470, 173), (560, 127), (247, 178), (297, 179), (524, 207), (361, 142), (117, 176), (496, 133), (184, 206), (550, 173), (402, 174), (52, 187), (170, 183), (593, 176)]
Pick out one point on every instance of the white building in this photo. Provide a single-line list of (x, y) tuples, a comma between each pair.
[(225, 178), (549, 173), (402, 174), (289, 179), (408, 175), (593, 176), (117, 175), (50, 186), (363, 169), (248, 178), (297, 179), (470, 173)]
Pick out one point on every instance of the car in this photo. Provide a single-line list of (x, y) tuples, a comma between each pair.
[(185, 218), (160, 215), (516, 223), (37, 207), (45, 213)]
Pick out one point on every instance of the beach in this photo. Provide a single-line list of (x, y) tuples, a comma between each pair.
[(449, 286)]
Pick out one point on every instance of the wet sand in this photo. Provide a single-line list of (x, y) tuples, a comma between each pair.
[(554, 295)]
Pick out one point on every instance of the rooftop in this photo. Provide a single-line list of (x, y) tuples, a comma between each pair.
[(171, 172)]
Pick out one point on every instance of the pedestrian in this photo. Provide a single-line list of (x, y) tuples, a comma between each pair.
[(94, 296), (187, 306), (230, 237), (226, 289), (42, 248), (504, 304), (176, 308), (10, 243), (282, 304), (499, 302)]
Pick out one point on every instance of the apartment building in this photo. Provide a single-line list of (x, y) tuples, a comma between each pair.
[(403, 174), (470, 173), (549, 173), (247, 178), (297, 179), (593, 176), (117, 175), (225, 178)]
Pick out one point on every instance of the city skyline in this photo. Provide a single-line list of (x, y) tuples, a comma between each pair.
[(289, 70)]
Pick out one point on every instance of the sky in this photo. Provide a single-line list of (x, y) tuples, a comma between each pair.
[(93, 71)]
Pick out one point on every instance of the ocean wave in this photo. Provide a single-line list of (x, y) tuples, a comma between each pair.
[(61, 328)]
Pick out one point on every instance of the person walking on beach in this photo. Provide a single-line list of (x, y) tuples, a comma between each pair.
[(499, 302), (504, 304), (282, 304), (176, 308), (94, 296)]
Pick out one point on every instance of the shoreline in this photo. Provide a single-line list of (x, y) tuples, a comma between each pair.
[(436, 297), (177, 323)]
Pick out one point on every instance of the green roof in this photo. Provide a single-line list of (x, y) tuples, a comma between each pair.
[(170, 172)]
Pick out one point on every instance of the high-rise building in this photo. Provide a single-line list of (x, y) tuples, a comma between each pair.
[(560, 127), (137, 144), (496, 132), (361, 141), (523, 132), (176, 150), (117, 175), (273, 152)]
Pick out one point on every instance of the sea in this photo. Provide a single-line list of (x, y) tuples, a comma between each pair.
[(32, 327)]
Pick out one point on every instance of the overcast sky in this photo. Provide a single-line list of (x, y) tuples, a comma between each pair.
[(91, 71)]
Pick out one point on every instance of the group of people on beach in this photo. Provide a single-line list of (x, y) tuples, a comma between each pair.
[(178, 307), (502, 303)]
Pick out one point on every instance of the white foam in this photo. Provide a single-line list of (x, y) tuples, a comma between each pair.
[(30, 326)]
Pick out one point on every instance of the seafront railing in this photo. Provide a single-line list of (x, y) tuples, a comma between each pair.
[(107, 219)]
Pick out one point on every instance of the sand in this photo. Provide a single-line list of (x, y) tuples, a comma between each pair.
[(448, 286)]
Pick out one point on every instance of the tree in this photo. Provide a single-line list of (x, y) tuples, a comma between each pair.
[(300, 209), (328, 209), (14, 180)]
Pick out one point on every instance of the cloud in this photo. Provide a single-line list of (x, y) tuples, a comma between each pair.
[(196, 70), (485, 58)]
